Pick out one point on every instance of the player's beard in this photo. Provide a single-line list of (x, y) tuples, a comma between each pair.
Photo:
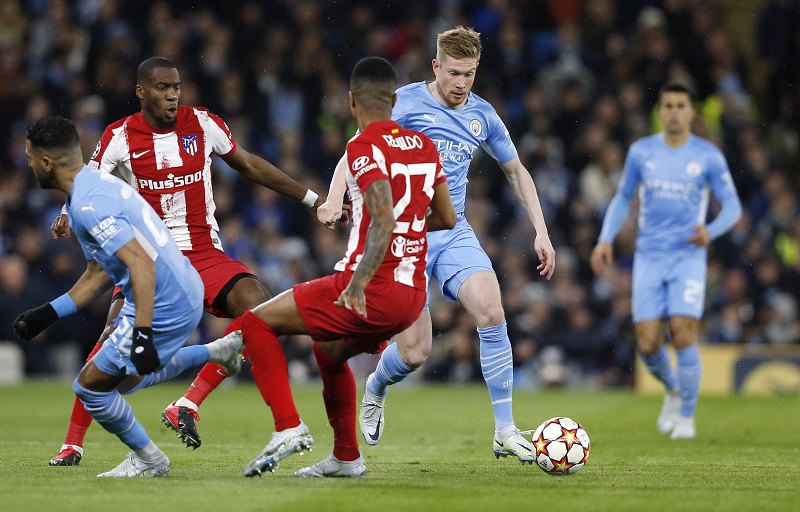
[(167, 122), (47, 180), (447, 97)]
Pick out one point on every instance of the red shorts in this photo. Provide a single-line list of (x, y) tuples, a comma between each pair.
[(219, 273), (391, 308)]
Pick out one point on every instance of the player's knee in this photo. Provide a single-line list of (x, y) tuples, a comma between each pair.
[(684, 340), (416, 359), (247, 293), (415, 354), (490, 315), (683, 332), (648, 347)]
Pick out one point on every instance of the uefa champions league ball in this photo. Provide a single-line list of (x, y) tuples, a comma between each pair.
[(561, 446)]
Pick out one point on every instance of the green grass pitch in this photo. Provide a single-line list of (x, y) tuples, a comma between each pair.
[(435, 455)]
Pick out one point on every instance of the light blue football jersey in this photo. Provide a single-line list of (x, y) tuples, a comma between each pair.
[(105, 213), (456, 133), (673, 186)]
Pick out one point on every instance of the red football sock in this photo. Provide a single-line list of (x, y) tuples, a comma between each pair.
[(211, 375), (268, 365), (80, 420), (339, 394)]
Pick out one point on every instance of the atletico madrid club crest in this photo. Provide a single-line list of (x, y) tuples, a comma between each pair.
[(189, 143)]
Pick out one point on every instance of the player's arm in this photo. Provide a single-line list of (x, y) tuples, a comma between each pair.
[(603, 252), (60, 227), (329, 212), (258, 170), (617, 211), (521, 182), (92, 282), (442, 214), (142, 269), (143, 280), (378, 201), (722, 185)]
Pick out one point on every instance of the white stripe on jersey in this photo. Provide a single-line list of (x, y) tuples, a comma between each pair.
[(167, 148), (705, 197), (356, 213), (404, 272), (119, 150), (221, 144), (173, 207)]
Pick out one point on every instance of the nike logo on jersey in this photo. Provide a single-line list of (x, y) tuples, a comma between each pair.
[(431, 118), (375, 435), (137, 155)]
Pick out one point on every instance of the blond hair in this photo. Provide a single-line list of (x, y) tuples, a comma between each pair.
[(459, 43)]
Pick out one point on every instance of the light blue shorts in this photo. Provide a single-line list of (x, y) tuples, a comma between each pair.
[(453, 256), (114, 358), (667, 284)]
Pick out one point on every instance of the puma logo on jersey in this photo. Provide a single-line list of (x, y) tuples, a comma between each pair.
[(137, 155), (431, 118)]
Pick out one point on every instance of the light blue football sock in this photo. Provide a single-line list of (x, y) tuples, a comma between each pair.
[(390, 370), (498, 372), (689, 370), (110, 410), (185, 358), (661, 368)]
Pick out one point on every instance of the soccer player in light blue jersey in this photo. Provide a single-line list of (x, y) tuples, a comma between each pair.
[(673, 173), (126, 243), (459, 122)]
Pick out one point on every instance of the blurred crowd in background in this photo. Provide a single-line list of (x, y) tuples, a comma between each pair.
[(576, 82)]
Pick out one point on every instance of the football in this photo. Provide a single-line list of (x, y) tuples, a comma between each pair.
[(561, 445)]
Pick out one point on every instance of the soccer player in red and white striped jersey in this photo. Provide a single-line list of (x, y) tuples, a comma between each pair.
[(165, 151), (394, 178)]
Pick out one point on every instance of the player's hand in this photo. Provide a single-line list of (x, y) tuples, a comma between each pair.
[(353, 298), (31, 323), (330, 213), (547, 255), (602, 256), (143, 352), (60, 227), (701, 237)]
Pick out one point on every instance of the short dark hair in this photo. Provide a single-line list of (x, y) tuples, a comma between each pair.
[(676, 87), (53, 133), (148, 65), (373, 82)]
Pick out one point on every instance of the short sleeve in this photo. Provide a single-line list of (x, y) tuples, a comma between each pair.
[(366, 163), (104, 221)]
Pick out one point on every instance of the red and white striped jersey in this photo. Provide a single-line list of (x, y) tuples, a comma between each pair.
[(171, 169), (410, 161)]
